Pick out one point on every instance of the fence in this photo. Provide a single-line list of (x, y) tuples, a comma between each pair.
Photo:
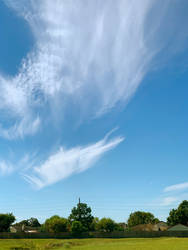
[(116, 234), (140, 234)]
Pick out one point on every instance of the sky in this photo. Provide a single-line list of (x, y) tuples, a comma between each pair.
[(93, 104)]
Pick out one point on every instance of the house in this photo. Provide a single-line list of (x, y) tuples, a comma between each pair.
[(24, 229), (178, 227), (161, 226), (143, 227), (16, 229)]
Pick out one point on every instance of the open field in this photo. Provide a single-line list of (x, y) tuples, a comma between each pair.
[(98, 244)]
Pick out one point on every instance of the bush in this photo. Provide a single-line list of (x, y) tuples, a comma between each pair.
[(94, 224), (56, 224), (77, 228), (106, 225)]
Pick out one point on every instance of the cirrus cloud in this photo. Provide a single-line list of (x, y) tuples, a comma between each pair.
[(66, 162), (177, 187), (88, 55)]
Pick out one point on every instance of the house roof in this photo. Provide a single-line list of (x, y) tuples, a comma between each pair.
[(143, 227), (161, 223), (178, 227)]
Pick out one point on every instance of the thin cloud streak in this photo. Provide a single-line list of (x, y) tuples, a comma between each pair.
[(6, 168), (66, 162), (167, 201), (177, 187)]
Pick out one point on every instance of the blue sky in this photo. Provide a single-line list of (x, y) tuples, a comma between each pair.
[(93, 105)]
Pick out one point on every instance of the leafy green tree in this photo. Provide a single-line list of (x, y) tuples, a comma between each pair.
[(120, 226), (21, 223), (179, 215), (33, 222), (106, 225), (5, 221), (83, 214), (77, 228), (173, 218), (94, 224), (56, 224), (140, 217), (42, 228)]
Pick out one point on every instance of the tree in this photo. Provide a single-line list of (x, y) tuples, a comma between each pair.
[(173, 218), (106, 225), (179, 215), (21, 223), (121, 226), (82, 213), (94, 224), (33, 222), (140, 217), (5, 221), (56, 224), (77, 228)]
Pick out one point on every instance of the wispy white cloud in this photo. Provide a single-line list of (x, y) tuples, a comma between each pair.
[(24, 127), (12, 164), (88, 56), (167, 201), (66, 162), (6, 168), (174, 194), (177, 187), (16, 106), (92, 54)]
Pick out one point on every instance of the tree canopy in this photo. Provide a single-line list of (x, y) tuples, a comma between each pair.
[(106, 225), (179, 215), (56, 224), (32, 222), (5, 221), (83, 214), (140, 217), (77, 228)]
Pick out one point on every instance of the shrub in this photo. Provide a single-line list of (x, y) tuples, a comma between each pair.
[(106, 225), (56, 224), (77, 228)]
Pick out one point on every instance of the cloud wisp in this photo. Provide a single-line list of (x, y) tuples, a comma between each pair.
[(90, 55), (167, 201), (66, 162), (174, 194), (6, 168), (177, 187)]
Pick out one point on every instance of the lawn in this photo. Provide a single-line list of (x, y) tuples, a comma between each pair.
[(98, 244)]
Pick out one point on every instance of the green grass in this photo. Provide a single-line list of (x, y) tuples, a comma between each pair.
[(98, 244)]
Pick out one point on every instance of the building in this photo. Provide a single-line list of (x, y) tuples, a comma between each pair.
[(161, 226), (178, 227), (23, 229)]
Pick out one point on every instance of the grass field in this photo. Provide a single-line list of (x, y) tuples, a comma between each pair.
[(98, 244)]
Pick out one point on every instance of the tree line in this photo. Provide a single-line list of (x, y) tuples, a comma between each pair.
[(81, 220)]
